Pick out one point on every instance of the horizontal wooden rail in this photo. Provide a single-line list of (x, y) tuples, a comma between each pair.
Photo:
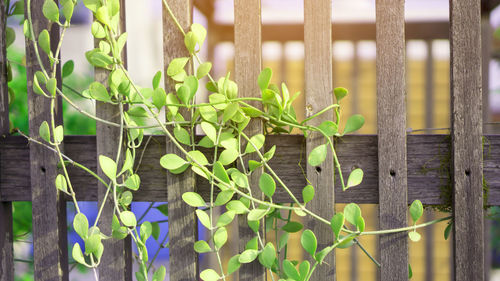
[(428, 168), (340, 31)]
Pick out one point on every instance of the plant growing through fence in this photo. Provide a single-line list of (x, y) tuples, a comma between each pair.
[(218, 156)]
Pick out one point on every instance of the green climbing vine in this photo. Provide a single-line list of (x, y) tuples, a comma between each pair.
[(223, 121)]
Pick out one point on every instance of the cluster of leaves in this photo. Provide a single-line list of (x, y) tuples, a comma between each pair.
[(223, 120)]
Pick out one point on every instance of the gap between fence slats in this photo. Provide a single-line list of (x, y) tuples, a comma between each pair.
[(391, 116), (50, 250), (182, 220), (318, 95), (467, 154), (247, 65), (6, 246)]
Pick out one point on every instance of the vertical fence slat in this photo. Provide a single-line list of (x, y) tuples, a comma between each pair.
[(391, 111), (50, 249), (182, 220), (467, 155), (319, 94), (247, 65), (116, 261), (6, 246), (429, 86)]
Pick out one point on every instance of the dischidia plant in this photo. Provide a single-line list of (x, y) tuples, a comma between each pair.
[(223, 120)]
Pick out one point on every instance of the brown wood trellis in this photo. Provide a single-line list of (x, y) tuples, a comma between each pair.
[(392, 161)]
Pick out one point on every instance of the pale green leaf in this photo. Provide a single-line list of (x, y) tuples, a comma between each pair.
[(267, 184), (50, 10), (61, 183), (193, 199), (257, 141), (309, 242), (355, 178), (128, 219), (81, 225), (416, 210), (317, 155), (44, 131), (220, 237), (308, 193), (201, 247), (354, 123), (108, 166), (264, 78), (352, 212), (171, 161)]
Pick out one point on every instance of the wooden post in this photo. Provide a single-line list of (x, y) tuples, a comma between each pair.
[(467, 155), (318, 95), (116, 261), (391, 111), (6, 246), (182, 219), (50, 248), (247, 65)]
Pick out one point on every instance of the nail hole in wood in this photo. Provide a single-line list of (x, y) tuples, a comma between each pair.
[(392, 172), (42, 169), (318, 169), (467, 172)]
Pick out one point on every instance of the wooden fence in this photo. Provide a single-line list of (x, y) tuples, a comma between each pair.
[(392, 161)]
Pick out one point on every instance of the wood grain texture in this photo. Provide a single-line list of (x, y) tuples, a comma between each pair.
[(116, 261), (428, 170), (182, 219), (6, 246), (391, 120), (50, 250), (467, 156), (340, 31), (318, 95), (247, 65)]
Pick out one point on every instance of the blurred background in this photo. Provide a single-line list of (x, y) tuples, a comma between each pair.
[(354, 53)]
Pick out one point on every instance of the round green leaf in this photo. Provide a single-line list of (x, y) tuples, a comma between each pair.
[(182, 135), (78, 254), (193, 199), (44, 131), (264, 78), (233, 264), (50, 10), (209, 275), (248, 256), (225, 219), (416, 210), (267, 184), (355, 178), (256, 214), (146, 230), (204, 218), (199, 157), (354, 123), (97, 30), (159, 98), (309, 242), (352, 212), (228, 156), (81, 225), (292, 227), (328, 127), (317, 155), (176, 66), (203, 69), (223, 197), (133, 182), (171, 161), (336, 224), (240, 179), (99, 92), (208, 113), (340, 93), (237, 206), (202, 246), (220, 237), (308, 193), (68, 68), (159, 274), (268, 255), (290, 270), (360, 223), (44, 41), (414, 236), (108, 166), (210, 131), (257, 141), (128, 219), (61, 183)]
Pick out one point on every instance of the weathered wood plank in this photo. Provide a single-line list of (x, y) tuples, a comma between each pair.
[(467, 166), (50, 250), (6, 246), (428, 168), (318, 95), (182, 219), (116, 261), (341, 31), (248, 64), (391, 123)]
